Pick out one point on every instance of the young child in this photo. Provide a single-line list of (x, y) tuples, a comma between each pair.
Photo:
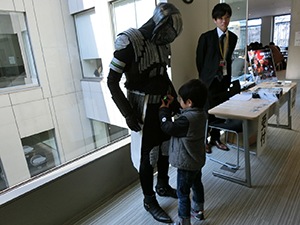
[(187, 147)]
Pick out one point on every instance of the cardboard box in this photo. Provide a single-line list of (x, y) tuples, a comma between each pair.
[(232, 139)]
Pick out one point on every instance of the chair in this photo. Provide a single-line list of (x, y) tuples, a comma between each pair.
[(234, 88), (279, 66), (229, 125), (38, 161)]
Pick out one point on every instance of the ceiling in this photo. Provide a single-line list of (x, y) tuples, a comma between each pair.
[(259, 8)]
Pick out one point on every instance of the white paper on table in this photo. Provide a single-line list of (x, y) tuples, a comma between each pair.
[(267, 96), (242, 97)]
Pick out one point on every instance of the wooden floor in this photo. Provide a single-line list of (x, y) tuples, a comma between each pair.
[(273, 199)]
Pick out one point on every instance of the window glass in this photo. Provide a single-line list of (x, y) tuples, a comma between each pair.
[(16, 59), (121, 10), (3, 180), (91, 47), (144, 11), (116, 132), (105, 133), (282, 30), (90, 43), (38, 152), (131, 13), (254, 31), (238, 26), (41, 152)]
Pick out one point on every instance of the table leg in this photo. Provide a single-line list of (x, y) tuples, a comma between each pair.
[(289, 117), (290, 111)]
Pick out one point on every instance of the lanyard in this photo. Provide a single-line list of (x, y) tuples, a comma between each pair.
[(225, 47)]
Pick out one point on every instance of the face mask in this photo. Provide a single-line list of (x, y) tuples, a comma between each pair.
[(165, 35), (168, 24)]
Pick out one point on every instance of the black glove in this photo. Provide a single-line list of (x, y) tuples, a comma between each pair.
[(133, 122)]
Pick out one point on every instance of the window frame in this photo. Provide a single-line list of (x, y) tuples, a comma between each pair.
[(27, 54), (288, 33)]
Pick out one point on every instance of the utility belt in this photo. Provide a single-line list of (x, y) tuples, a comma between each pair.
[(137, 101), (136, 97), (155, 99)]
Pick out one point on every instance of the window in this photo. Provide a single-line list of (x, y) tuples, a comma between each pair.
[(89, 38), (126, 14), (3, 180), (17, 66), (92, 47), (254, 31), (106, 133), (136, 12), (40, 151), (239, 28), (37, 149), (282, 30)]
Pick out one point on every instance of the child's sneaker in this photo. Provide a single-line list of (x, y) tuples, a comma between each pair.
[(197, 215)]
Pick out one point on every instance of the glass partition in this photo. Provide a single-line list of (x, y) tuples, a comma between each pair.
[(238, 25)]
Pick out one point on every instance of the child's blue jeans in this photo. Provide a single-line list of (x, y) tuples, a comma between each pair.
[(185, 181)]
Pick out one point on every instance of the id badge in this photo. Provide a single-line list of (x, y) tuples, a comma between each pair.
[(223, 66)]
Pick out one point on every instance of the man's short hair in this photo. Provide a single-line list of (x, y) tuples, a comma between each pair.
[(220, 10), (195, 90)]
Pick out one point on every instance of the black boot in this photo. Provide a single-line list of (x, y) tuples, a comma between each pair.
[(152, 206), (164, 189)]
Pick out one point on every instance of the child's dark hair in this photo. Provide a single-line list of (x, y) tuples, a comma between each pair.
[(195, 90), (220, 10)]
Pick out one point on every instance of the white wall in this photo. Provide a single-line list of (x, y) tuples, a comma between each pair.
[(196, 20)]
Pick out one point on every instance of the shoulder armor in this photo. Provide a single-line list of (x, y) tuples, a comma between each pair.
[(121, 42)]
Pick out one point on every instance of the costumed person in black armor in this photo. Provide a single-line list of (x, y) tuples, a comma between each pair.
[(143, 55)]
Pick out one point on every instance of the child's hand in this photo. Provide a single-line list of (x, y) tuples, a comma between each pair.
[(170, 98), (166, 101), (163, 104)]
